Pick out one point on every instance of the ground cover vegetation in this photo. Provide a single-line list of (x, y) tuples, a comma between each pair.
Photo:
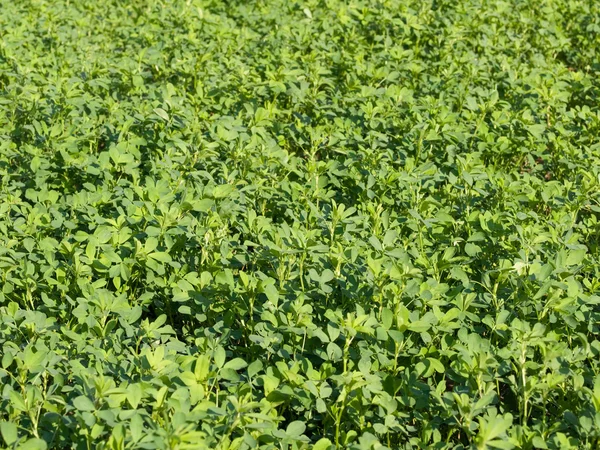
[(289, 225)]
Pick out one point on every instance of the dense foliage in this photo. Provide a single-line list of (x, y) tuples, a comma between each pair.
[(326, 224)]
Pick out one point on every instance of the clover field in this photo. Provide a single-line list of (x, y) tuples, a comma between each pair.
[(320, 224)]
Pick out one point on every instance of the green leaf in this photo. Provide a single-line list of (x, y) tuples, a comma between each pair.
[(235, 364), (83, 403), (536, 130), (9, 432), (17, 401), (202, 368), (34, 444), (323, 444), (387, 317), (160, 256), (220, 356), (419, 326), (457, 273), (134, 395), (295, 429), (254, 368), (188, 378), (223, 190), (137, 428), (272, 293), (472, 249), (162, 114), (575, 257)]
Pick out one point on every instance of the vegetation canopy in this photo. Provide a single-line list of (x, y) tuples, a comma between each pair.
[(320, 224)]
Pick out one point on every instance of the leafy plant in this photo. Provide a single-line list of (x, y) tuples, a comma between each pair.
[(320, 224)]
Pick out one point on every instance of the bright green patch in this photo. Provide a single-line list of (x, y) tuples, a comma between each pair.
[(289, 225)]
